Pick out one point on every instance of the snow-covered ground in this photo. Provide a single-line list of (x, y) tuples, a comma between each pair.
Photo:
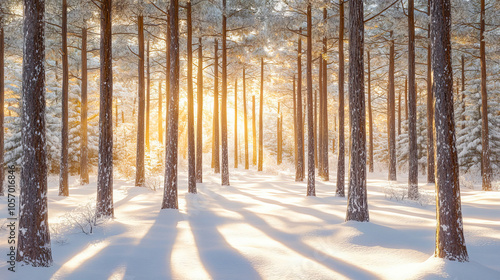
[(262, 226)]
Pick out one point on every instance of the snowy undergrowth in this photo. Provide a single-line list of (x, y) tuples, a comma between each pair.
[(399, 193)]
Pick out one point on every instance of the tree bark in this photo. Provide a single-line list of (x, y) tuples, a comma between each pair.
[(357, 207), (300, 170), (318, 128), (254, 132), (261, 116), (245, 120), (391, 115), (139, 160), (160, 112), (370, 117), (224, 150), (450, 242), (412, 108), (311, 189), (236, 123), (278, 136), (148, 96), (341, 153), (63, 175), (294, 123), (485, 134), (324, 143), (170, 200), (430, 118), (33, 245), (199, 122), (190, 97), (215, 131)]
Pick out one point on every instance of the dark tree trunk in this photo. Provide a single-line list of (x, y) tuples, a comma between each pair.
[(357, 207), (317, 128), (190, 97), (406, 98), (199, 121), (223, 121), (33, 245), (105, 168), (2, 85), (254, 132), (412, 108), (370, 117), (63, 175), (311, 189), (430, 118), (278, 136), (215, 131), (245, 121), (170, 189), (167, 77), (399, 113), (485, 134), (236, 123), (148, 96), (341, 153), (463, 91), (391, 115), (450, 242), (324, 143), (261, 116), (300, 170), (160, 112), (294, 123), (139, 160)]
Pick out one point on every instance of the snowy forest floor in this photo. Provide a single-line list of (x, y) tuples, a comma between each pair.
[(262, 226)]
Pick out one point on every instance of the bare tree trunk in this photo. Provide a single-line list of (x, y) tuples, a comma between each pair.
[(105, 168), (170, 190), (190, 97), (299, 172), (430, 118), (215, 143), (450, 242), (318, 128), (463, 91), (391, 115), (167, 76), (370, 117), (406, 98), (341, 153), (261, 116), (199, 122), (160, 112), (357, 207), (324, 143), (399, 113), (33, 245), (63, 175), (2, 105), (485, 134), (148, 96), (236, 123), (412, 108), (139, 160), (224, 150), (294, 123), (245, 120), (254, 132), (278, 136), (311, 189)]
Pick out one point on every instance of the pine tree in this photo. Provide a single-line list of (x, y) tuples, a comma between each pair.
[(450, 242), (370, 117), (84, 170), (300, 170), (412, 107), (311, 189), (33, 242), (223, 122), (261, 120), (190, 97), (245, 121), (341, 152), (215, 130), (391, 114), (199, 122), (139, 162), (63, 175)]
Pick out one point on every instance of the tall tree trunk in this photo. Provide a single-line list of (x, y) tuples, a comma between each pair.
[(294, 123), (199, 121), (33, 245), (341, 153), (324, 153), (223, 122), (485, 134), (254, 132), (160, 112), (300, 170), (412, 108), (450, 242), (139, 160), (167, 76), (370, 117), (245, 121), (357, 207), (463, 91), (261, 116), (317, 128), (2, 85), (170, 190), (430, 118), (148, 96), (399, 113), (278, 136), (63, 175), (105, 168), (406, 98), (215, 131), (190, 97), (391, 115), (236, 123), (311, 189)]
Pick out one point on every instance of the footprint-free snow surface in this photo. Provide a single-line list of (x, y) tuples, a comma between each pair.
[(261, 227)]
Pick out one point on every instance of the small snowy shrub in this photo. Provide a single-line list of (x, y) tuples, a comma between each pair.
[(466, 182), (153, 182), (393, 192), (83, 218)]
